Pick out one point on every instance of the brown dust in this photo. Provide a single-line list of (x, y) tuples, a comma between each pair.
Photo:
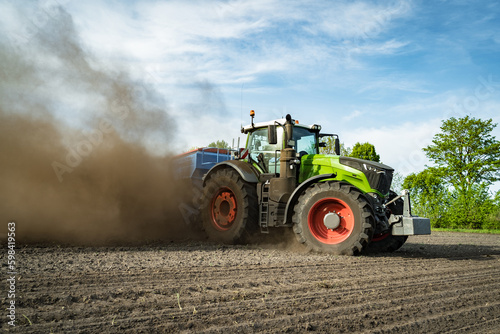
[(77, 144)]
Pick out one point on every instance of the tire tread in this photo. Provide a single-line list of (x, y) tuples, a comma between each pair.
[(366, 214)]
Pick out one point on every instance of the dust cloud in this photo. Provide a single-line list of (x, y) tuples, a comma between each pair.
[(83, 145)]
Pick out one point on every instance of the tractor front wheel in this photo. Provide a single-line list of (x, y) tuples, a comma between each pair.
[(386, 242), (229, 208), (333, 217)]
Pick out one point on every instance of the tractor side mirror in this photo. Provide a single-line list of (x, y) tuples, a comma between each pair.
[(337, 146), (272, 135)]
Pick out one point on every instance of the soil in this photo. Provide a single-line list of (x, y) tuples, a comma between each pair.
[(442, 283)]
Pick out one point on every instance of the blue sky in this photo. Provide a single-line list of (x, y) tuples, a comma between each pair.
[(387, 72)]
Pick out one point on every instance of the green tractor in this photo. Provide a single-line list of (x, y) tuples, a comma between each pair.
[(335, 204)]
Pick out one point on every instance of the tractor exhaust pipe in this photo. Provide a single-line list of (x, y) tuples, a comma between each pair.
[(289, 132), (283, 187), (288, 154)]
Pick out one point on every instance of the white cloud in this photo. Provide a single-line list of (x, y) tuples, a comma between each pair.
[(399, 145), (236, 41), (310, 48), (388, 47), (354, 114), (359, 20), (202, 19)]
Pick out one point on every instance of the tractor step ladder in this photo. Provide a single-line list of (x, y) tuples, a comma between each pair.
[(264, 208)]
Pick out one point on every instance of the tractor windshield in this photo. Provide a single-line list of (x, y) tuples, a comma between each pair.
[(258, 143), (305, 141)]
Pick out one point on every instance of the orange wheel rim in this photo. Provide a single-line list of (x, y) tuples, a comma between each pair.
[(330, 207), (224, 209)]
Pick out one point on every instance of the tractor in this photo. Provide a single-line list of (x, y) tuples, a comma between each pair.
[(334, 204)]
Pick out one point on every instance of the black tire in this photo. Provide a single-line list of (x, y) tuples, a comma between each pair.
[(229, 207), (354, 223), (386, 242), (189, 204)]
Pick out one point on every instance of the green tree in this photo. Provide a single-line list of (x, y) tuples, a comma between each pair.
[(365, 151), (219, 144), (345, 150), (481, 216), (467, 157), (429, 195), (330, 147), (494, 221), (466, 153), (397, 182)]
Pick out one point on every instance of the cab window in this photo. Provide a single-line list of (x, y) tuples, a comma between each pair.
[(305, 141), (258, 143)]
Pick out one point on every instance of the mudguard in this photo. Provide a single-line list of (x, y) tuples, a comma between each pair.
[(246, 171)]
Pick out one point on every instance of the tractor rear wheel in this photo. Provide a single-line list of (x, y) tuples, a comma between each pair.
[(229, 207), (333, 217)]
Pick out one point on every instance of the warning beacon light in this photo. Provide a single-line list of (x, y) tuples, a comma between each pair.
[(252, 114)]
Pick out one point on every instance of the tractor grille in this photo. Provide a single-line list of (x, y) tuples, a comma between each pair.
[(380, 180), (379, 175)]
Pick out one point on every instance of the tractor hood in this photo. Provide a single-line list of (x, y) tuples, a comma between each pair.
[(379, 176)]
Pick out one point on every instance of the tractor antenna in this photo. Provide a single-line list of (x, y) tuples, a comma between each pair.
[(241, 104)]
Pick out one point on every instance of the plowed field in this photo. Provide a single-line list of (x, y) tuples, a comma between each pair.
[(443, 283)]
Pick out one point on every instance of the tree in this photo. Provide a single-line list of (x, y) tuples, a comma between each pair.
[(467, 157), (330, 147), (365, 151), (466, 153), (494, 221), (219, 144), (462, 216), (397, 182), (362, 151), (429, 195), (345, 150)]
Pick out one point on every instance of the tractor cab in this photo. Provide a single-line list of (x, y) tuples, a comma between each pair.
[(266, 140)]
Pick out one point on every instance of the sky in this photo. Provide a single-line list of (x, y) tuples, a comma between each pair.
[(386, 72)]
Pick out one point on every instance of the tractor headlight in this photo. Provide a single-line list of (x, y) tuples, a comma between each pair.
[(372, 168)]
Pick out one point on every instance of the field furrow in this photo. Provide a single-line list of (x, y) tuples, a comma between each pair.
[(447, 283)]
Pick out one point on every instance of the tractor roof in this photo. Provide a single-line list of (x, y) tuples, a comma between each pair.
[(248, 128)]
